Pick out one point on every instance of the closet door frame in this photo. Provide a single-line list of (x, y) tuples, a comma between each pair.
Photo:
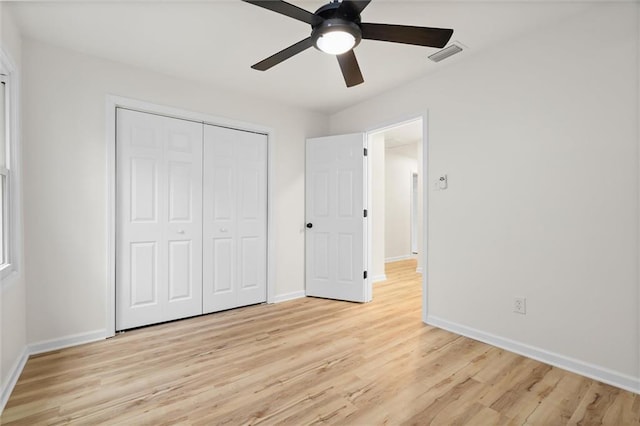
[(113, 102)]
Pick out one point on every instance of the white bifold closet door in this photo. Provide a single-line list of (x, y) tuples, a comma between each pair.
[(234, 218), (159, 219)]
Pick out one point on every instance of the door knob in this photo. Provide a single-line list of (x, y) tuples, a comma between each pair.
[(309, 225)]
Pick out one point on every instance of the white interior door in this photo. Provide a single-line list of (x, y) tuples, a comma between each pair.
[(159, 219), (335, 203), (235, 218)]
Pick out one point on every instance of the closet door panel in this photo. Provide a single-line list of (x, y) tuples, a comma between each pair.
[(252, 218), (235, 208), (159, 223), (183, 210), (219, 211)]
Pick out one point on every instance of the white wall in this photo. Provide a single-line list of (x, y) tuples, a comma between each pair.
[(539, 138), (65, 178), (400, 162), (13, 326)]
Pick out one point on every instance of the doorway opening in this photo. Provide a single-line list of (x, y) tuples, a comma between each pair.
[(396, 174)]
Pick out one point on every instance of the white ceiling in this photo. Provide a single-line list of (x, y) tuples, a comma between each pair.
[(404, 134), (216, 42)]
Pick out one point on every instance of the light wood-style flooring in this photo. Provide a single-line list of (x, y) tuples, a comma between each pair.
[(308, 361)]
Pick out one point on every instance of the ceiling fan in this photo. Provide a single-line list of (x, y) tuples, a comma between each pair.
[(336, 29)]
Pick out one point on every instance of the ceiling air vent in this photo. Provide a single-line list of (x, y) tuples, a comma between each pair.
[(446, 52)]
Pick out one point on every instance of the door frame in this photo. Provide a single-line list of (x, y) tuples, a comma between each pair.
[(113, 102), (413, 177), (387, 125)]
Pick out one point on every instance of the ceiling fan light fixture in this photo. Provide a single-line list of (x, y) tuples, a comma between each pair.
[(336, 42), (336, 36)]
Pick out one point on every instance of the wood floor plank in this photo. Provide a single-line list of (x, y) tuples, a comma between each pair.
[(308, 361), (595, 404)]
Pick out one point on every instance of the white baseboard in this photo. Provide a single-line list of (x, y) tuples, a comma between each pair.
[(67, 341), (419, 270), (592, 371), (289, 296), (378, 278), (397, 258), (16, 370)]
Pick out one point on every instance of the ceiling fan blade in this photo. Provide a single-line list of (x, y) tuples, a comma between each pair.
[(284, 54), (287, 9), (421, 36), (353, 6), (350, 69)]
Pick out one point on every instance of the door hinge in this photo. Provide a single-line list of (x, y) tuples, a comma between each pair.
[(365, 152), (365, 275), (365, 212)]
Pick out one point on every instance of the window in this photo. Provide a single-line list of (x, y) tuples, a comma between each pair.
[(10, 214)]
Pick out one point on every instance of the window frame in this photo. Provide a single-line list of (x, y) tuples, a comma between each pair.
[(12, 226), (5, 235)]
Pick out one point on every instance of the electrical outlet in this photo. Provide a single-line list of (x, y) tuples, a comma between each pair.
[(520, 305)]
